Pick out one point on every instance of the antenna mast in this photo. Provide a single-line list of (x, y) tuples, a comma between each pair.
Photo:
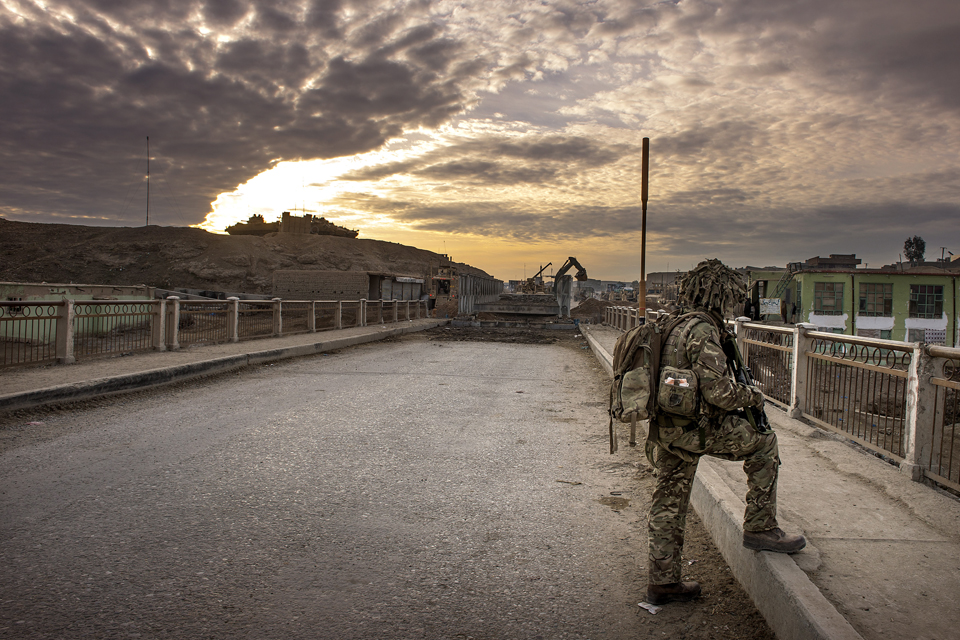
[(148, 181)]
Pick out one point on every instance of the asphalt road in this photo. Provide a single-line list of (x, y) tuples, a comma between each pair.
[(408, 489)]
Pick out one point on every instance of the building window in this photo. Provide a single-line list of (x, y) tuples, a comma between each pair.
[(885, 334), (828, 298), (926, 301), (876, 299)]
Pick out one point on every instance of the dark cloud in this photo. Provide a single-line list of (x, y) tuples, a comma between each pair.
[(80, 97), (535, 159), (224, 13)]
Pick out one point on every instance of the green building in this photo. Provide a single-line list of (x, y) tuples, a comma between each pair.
[(896, 302)]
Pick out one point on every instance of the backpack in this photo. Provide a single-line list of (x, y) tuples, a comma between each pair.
[(636, 374)]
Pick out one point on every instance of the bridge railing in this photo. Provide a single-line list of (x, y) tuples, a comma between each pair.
[(942, 463), (623, 318), (67, 330), (899, 399)]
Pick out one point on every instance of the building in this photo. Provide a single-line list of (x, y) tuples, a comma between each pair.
[(344, 285), (895, 302)]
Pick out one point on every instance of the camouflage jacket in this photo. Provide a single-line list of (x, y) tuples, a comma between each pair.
[(695, 344)]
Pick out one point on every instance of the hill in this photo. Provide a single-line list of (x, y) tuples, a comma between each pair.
[(173, 257)]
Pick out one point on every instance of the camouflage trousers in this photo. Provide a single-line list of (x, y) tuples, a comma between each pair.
[(677, 456)]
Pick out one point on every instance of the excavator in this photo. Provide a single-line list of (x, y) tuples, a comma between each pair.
[(530, 285), (563, 284)]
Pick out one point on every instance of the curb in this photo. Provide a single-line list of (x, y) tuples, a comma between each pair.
[(790, 603), (102, 387), (606, 360)]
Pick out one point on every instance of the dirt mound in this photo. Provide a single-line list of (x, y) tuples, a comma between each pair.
[(174, 257), (591, 310)]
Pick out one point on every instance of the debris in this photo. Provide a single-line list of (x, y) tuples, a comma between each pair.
[(569, 481), (34, 424), (652, 608)]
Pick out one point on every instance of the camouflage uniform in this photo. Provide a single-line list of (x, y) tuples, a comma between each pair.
[(695, 344)]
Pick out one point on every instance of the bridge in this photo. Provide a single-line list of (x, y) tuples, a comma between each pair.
[(401, 480)]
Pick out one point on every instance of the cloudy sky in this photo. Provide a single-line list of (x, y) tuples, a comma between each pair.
[(504, 133)]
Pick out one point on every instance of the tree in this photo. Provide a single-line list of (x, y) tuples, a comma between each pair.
[(913, 248)]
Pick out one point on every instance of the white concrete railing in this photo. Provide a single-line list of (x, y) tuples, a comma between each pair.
[(63, 331), (899, 399)]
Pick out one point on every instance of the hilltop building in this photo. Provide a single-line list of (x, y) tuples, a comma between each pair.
[(288, 223)]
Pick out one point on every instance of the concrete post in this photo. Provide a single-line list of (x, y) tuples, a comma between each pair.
[(741, 337), (277, 317), (396, 311), (801, 364), (173, 323), (312, 318), (338, 321), (65, 333), (233, 319), (363, 312), (408, 311), (919, 423), (158, 326)]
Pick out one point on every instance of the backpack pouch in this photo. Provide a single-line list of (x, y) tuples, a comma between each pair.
[(678, 392), (635, 387)]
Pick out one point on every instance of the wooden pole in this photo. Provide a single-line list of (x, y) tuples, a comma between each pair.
[(644, 179), (148, 181)]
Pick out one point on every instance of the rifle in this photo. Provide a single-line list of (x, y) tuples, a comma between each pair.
[(756, 416)]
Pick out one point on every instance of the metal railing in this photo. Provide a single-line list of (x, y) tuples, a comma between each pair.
[(769, 354), (255, 319), (65, 330), (113, 327), (295, 317), (28, 332), (858, 387), (351, 314), (203, 322), (327, 315), (943, 462), (897, 398)]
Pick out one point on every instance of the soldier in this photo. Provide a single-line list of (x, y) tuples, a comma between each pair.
[(716, 428)]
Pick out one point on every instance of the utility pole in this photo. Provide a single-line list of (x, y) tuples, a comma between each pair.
[(148, 181), (644, 171)]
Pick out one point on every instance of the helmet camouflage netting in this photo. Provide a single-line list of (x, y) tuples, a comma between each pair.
[(713, 286)]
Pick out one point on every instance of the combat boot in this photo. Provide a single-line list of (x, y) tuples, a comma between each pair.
[(773, 540), (673, 592)]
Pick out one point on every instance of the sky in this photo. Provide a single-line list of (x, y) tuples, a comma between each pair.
[(506, 134)]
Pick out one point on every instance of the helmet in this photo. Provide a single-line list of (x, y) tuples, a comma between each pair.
[(712, 286)]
